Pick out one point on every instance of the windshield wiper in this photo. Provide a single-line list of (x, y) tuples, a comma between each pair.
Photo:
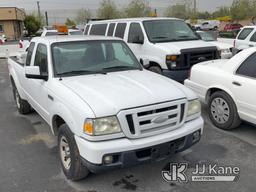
[(188, 37), (160, 37), (120, 68), (80, 72)]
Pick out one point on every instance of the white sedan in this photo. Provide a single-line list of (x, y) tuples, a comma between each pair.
[(225, 49), (228, 87)]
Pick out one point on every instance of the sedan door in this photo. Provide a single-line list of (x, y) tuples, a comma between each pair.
[(244, 88)]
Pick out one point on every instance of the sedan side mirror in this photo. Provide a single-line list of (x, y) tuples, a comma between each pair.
[(33, 72)]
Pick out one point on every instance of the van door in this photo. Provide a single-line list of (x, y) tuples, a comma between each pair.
[(136, 40)]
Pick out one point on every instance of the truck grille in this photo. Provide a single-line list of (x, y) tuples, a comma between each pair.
[(154, 119), (190, 57)]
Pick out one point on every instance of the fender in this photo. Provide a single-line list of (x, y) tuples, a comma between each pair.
[(62, 111), (155, 60), (221, 88), (242, 47)]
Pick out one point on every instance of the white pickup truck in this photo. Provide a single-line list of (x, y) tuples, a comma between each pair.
[(228, 87), (107, 110)]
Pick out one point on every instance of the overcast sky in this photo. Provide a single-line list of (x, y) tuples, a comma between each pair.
[(60, 9)]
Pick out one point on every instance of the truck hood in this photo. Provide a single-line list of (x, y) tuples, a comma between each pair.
[(220, 45), (110, 93), (175, 47)]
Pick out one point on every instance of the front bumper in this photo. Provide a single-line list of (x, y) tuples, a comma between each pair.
[(177, 75), (94, 152), (136, 157)]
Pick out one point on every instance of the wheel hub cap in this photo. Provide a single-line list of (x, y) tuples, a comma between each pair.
[(65, 153), (220, 110)]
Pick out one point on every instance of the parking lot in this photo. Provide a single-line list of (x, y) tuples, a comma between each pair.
[(29, 157)]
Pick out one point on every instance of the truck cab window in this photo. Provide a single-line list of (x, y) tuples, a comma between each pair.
[(248, 68), (135, 32), (41, 59), (30, 52)]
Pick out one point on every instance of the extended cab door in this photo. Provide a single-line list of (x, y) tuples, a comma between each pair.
[(244, 87), (37, 87)]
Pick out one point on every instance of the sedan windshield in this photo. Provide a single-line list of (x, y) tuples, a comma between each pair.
[(92, 57), (168, 30), (206, 36)]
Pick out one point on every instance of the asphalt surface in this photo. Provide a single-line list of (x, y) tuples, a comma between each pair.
[(29, 159)]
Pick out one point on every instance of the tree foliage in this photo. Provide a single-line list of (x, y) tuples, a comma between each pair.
[(70, 23), (32, 24), (179, 10), (82, 16), (137, 8), (108, 10)]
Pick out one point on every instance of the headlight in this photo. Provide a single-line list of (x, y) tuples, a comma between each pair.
[(194, 107), (102, 126), (225, 51), (171, 61)]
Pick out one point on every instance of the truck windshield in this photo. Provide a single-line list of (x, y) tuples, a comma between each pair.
[(92, 57), (168, 30)]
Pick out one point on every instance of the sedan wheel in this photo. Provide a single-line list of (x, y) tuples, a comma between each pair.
[(65, 153), (220, 110)]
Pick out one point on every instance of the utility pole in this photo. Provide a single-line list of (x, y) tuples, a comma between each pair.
[(194, 7), (46, 18), (38, 9)]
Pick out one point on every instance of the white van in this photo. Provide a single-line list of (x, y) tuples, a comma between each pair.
[(169, 44)]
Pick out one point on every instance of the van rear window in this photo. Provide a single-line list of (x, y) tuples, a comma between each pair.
[(244, 33), (98, 29)]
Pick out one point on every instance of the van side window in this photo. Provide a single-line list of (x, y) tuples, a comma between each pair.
[(111, 29), (120, 29), (30, 52), (41, 59), (87, 29), (135, 32), (98, 29), (244, 33), (253, 38)]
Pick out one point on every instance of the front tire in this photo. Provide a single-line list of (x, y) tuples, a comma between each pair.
[(155, 69), (69, 155), (222, 111)]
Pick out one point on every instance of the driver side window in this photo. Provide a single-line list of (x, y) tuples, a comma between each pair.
[(41, 59)]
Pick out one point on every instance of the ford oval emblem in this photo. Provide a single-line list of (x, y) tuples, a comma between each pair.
[(159, 120)]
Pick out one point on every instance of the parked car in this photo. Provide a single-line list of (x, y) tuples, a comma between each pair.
[(49, 32), (107, 110), (74, 32), (169, 44), (53, 32), (208, 25), (228, 87), (246, 38), (232, 27), (224, 48)]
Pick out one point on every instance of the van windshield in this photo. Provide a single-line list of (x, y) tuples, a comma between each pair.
[(168, 30), (92, 57)]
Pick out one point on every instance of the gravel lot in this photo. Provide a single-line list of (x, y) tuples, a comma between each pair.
[(29, 160)]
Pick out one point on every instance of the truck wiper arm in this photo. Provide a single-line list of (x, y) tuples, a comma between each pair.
[(120, 67), (79, 72)]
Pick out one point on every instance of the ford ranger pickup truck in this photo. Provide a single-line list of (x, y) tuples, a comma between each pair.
[(106, 109)]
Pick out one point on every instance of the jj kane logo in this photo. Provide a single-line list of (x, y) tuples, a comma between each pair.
[(201, 172)]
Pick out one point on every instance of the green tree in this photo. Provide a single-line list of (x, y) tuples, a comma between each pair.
[(32, 24), (137, 8), (179, 11), (108, 10), (240, 9), (70, 23), (203, 15), (221, 12), (82, 16)]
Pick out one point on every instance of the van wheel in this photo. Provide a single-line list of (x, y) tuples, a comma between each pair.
[(222, 111), (69, 155), (22, 105), (155, 69)]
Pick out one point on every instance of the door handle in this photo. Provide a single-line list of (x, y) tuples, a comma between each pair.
[(236, 83)]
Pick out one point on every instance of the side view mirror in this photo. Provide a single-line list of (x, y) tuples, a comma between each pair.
[(138, 40), (145, 62), (33, 72)]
